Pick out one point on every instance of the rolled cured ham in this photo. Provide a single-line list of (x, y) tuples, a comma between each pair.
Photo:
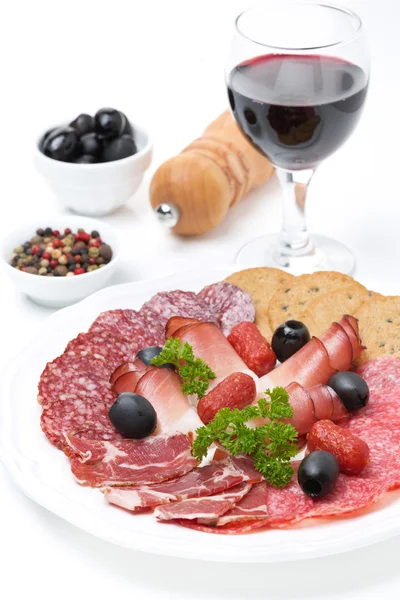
[(163, 389), (319, 359), (210, 344)]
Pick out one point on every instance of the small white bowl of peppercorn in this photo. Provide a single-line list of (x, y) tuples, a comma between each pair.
[(96, 163), (62, 262)]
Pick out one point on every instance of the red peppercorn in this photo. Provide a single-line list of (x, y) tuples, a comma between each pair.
[(84, 237), (35, 249), (67, 231), (53, 263), (46, 255), (22, 268), (79, 271), (57, 243), (92, 260), (77, 258), (56, 233), (95, 244)]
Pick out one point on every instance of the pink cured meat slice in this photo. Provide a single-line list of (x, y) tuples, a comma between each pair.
[(202, 481), (80, 406), (210, 507), (252, 507), (229, 303), (129, 462), (180, 304)]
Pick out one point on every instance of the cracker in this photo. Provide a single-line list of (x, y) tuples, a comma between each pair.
[(261, 283), (379, 324), (292, 301), (323, 310)]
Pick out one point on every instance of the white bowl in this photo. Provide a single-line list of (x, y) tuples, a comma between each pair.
[(57, 292), (99, 189)]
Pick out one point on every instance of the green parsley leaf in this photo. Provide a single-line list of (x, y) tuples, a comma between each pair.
[(194, 372), (271, 444)]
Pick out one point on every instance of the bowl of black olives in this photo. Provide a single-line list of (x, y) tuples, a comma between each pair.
[(94, 163)]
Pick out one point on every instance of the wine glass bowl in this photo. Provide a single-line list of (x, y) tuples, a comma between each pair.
[(297, 78)]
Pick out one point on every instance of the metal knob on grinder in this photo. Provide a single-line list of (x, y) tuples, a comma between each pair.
[(192, 192)]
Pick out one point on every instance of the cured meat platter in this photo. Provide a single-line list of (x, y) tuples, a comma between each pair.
[(44, 473)]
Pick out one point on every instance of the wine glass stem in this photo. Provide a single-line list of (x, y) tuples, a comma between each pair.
[(294, 239)]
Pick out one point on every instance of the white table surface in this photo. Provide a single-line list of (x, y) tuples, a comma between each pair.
[(162, 64)]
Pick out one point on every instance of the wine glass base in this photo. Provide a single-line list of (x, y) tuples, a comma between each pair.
[(328, 255)]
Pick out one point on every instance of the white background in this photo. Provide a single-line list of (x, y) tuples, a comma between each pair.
[(162, 64)]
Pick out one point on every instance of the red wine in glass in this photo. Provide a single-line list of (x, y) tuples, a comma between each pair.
[(295, 109)]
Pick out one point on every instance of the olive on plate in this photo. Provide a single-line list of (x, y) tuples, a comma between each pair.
[(133, 416), (318, 473), (91, 143), (83, 124), (119, 147), (61, 144), (351, 388), (109, 122), (147, 354), (288, 338)]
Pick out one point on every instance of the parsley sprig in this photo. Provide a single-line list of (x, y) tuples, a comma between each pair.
[(271, 445), (194, 372)]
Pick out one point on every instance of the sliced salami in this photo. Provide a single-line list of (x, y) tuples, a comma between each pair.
[(79, 405), (141, 328), (103, 344), (229, 304), (180, 304)]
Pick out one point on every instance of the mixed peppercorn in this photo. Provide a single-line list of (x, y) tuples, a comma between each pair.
[(51, 253)]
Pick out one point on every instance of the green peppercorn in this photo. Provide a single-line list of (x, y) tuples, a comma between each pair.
[(56, 254), (44, 263), (49, 275), (70, 273), (47, 239), (92, 268), (63, 260), (18, 250), (67, 249), (94, 252), (36, 240), (42, 271)]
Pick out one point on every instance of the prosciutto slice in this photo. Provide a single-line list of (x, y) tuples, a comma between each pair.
[(162, 388), (210, 344), (202, 481), (319, 359), (253, 506), (128, 462), (208, 508)]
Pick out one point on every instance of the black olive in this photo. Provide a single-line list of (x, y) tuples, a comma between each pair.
[(120, 147), (288, 338), (147, 354), (61, 144), (86, 159), (133, 416), (83, 124), (109, 122), (91, 143), (351, 388), (44, 138), (318, 473), (128, 129)]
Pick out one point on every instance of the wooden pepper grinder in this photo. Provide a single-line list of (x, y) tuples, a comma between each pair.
[(192, 192)]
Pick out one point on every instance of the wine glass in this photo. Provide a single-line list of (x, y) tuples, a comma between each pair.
[(297, 78)]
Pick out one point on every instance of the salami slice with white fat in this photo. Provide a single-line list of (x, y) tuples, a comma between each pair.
[(180, 304), (104, 345), (142, 328), (229, 304)]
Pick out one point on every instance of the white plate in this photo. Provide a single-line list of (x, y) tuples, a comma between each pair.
[(42, 471)]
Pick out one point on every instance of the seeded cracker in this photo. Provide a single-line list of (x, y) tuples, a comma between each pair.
[(261, 283), (379, 323), (323, 310), (292, 301)]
